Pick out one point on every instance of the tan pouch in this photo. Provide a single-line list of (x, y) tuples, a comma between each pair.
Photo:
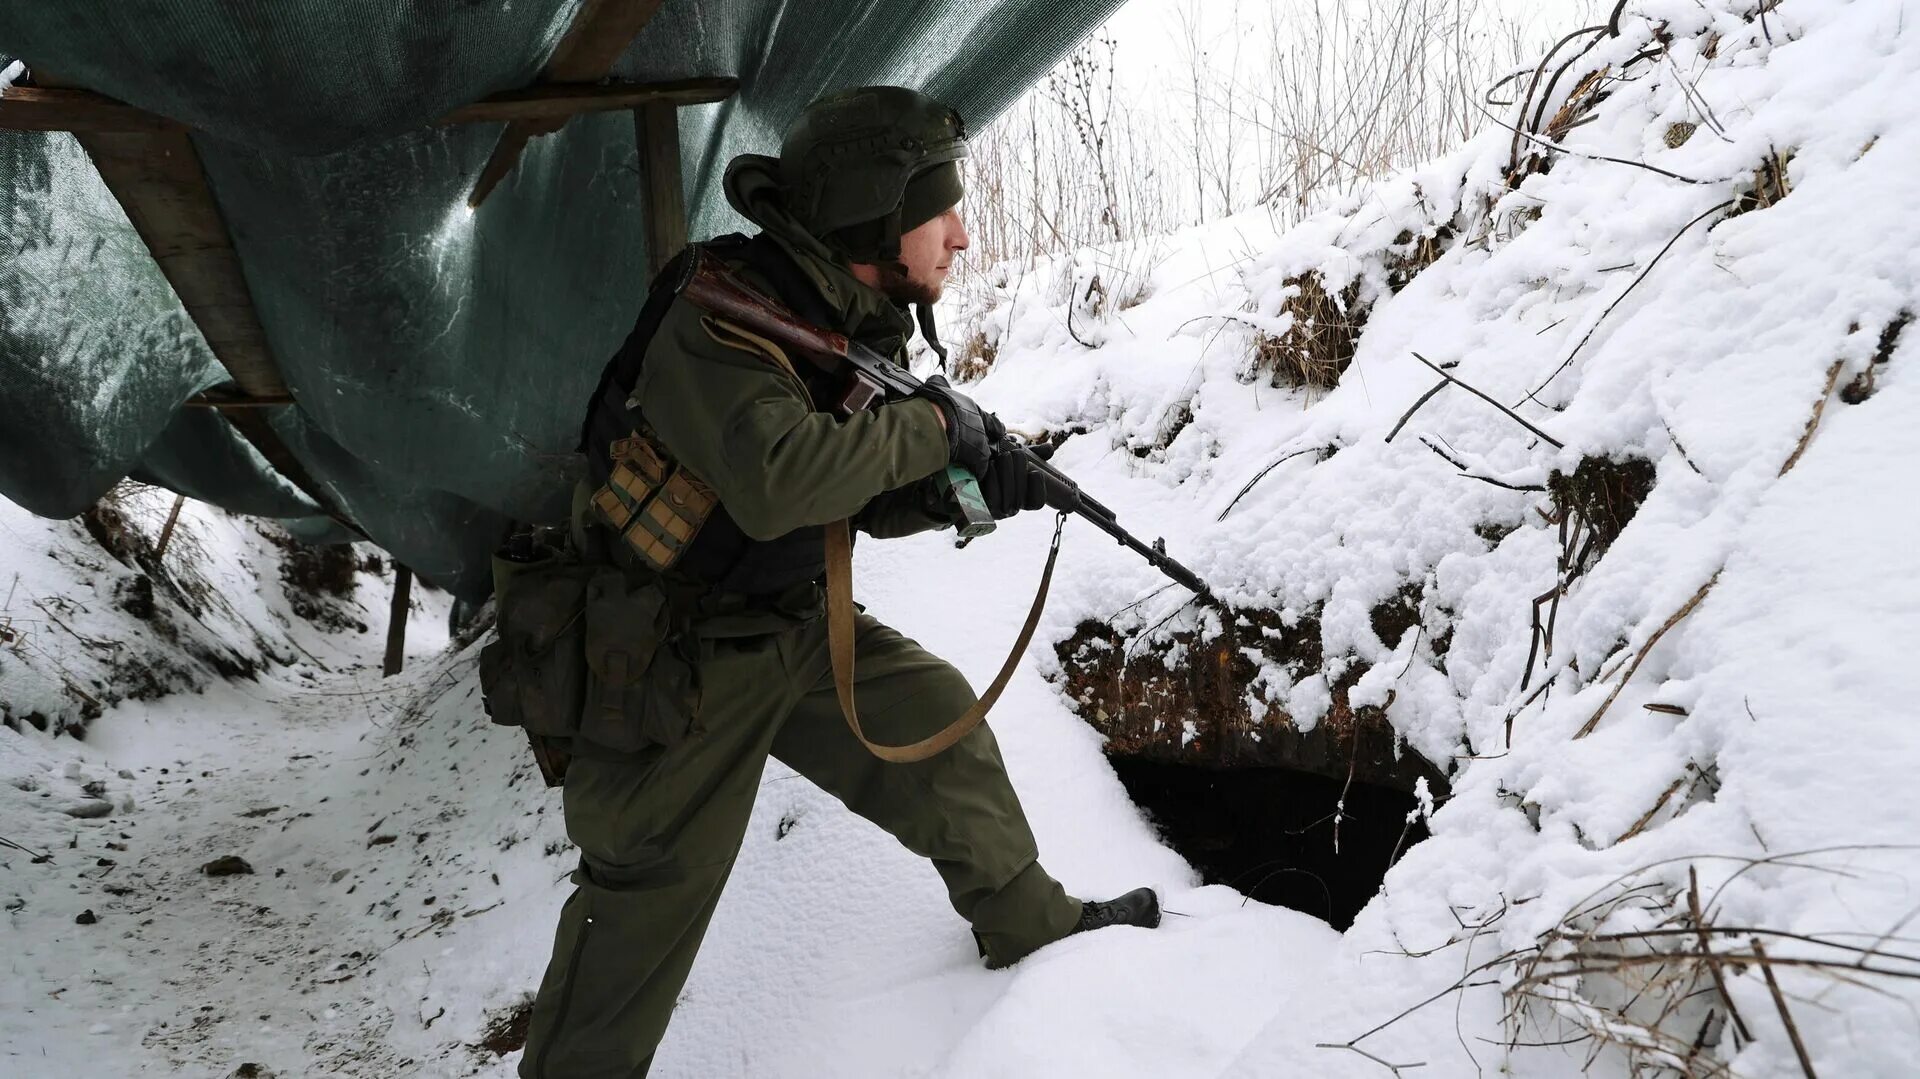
[(653, 504)]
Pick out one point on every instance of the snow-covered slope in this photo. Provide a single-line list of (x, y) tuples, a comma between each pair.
[(1734, 380), (1725, 689)]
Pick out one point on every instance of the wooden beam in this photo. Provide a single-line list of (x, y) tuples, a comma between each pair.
[(157, 177), (210, 400), (562, 101), (601, 31), (656, 129), (38, 108), (46, 108), (397, 621), (166, 530)]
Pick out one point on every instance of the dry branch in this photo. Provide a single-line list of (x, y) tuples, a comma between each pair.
[(1786, 1014), (1813, 421), (1511, 414), (1685, 610)]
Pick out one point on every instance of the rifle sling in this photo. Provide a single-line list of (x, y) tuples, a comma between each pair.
[(840, 644)]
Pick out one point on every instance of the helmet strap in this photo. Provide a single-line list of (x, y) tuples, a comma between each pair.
[(923, 314)]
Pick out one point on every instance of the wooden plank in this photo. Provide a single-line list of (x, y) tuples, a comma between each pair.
[(562, 101), (158, 179), (601, 31), (213, 400), (42, 108), (397, 621), (34, 108), (657, 137)]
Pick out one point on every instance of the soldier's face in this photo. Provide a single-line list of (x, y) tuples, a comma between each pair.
[(927, 252)]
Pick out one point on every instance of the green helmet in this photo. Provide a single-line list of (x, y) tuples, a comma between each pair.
[(861, 167)]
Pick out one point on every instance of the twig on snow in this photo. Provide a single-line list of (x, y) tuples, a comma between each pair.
[(1642, 276), (1563, 148), (1647, 817), (39, 856), (1786, 1015), (1262, 474), (1813, 421), (1713, 960), (1350, 1047), (1684, 456), (1467, 470), (1417, 406), (1511, 414), (1685, 610)]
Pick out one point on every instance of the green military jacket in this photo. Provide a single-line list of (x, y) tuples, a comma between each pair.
[(742, 420)]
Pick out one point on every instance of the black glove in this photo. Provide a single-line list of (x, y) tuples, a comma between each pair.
[(1011, 483), (971, 431)]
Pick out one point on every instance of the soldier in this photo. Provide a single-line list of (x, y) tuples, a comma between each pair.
[(859, 219)]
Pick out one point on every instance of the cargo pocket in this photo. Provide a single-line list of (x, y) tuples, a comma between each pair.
[(533, 674), (641, 690)]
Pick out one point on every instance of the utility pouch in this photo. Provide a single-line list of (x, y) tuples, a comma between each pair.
[(641, 690), (653, 504), (533, 674)]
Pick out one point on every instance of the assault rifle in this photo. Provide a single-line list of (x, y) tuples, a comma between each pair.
[(868, 379)]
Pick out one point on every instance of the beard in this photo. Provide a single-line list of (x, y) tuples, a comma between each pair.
[(900, 286)]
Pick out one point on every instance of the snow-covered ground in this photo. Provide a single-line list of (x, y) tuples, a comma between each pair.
[(1741, 653)]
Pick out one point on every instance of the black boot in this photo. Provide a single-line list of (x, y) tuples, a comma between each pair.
[(1139, 907)]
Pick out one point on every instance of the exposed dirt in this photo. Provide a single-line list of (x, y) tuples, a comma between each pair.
[(1604, 493), (507, 1029), (1195, 710)]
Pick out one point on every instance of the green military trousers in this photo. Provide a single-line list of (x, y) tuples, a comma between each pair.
[(658, 831)]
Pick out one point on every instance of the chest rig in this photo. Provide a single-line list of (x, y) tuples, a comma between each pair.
[(663, 515)]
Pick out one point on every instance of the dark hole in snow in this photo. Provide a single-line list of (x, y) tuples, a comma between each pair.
[(1270, 832)]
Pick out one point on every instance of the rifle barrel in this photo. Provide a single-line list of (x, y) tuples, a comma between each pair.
[(1066, 495)]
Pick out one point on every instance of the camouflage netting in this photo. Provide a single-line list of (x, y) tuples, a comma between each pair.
[(441, 359)]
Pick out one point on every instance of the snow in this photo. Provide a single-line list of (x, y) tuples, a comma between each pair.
[(1775, 769)]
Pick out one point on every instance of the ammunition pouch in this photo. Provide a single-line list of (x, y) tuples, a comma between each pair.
[(582, 654), (642, 673), (652, 504)]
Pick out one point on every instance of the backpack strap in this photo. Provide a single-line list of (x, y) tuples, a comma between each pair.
[(607, 419)]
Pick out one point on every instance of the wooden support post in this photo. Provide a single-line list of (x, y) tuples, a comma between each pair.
[(166, 530), (397, 621), (656, 130), (601, 31)]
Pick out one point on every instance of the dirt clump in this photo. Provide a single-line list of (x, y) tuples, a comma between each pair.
[(506, 1029), (1603, 493)]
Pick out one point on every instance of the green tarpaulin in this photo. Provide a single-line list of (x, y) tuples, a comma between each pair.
[(441, 358)]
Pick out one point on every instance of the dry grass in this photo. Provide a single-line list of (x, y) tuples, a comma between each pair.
[(1586, 96), (974, 358), (1766, 186), (1318, 347)]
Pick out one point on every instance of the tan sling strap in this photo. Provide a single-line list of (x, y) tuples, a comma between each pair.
[(840, 644)]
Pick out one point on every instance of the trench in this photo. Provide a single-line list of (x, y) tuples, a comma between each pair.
[(1271, 833)]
